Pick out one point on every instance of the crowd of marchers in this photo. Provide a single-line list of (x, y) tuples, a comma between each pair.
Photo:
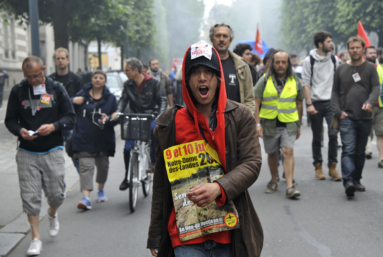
[(231, 99)]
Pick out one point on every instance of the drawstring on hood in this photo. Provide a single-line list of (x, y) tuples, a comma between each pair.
[(215, 138)]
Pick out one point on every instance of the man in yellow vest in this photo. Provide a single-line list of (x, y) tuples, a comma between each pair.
[(375, 56), (279, 117)]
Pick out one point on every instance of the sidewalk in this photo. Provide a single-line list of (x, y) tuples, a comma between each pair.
[(13, 222)]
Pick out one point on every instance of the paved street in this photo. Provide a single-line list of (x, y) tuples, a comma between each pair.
[(322, 223)]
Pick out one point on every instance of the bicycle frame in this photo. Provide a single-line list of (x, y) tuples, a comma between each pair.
[(142, 149)]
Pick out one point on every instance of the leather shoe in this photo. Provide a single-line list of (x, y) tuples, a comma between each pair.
[(359, 187), (124, 185), (368, 156), (349, 189)]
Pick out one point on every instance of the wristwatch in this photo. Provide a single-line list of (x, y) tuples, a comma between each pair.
[(259, 125), (308, 103)]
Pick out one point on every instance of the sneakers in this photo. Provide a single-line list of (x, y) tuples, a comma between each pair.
[(292, 193), (124, 185), (35, 247), (54, 225), (84, 204), (380, 164), (333, 173), (349, 189), (101, 196), (319, 172), (271, 187)]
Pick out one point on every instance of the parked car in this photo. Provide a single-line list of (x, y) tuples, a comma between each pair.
[(115, 82)]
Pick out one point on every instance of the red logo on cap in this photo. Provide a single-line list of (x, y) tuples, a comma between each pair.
[(23, 103)]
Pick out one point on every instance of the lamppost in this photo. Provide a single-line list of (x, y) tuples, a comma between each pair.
[(34, 21)]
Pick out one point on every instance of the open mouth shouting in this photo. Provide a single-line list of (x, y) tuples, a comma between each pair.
[(203, 91)]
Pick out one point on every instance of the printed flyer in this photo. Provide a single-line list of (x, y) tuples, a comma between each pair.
[(188, 165)]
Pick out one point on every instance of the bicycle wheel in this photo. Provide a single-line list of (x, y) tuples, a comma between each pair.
[(147, 183), (133, 179)]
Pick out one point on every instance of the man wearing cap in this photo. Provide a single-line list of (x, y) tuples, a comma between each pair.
[(238, 81), (280, 93), (38, 111), (228, 127)]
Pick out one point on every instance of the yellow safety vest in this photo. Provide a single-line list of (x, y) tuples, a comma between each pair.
[(283, 106), (380, 73)]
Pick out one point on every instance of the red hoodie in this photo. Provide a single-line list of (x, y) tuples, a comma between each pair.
[(187, 130)]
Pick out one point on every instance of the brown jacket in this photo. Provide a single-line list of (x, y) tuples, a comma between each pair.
[(243, 162), (245, 81)]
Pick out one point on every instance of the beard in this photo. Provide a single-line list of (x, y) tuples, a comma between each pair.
[(371, 60), (326, 50), (356, 59)]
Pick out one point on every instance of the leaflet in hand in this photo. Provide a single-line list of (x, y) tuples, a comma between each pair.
[(32, 133)]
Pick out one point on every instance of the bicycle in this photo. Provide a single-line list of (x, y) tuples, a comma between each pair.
[(136, 127)]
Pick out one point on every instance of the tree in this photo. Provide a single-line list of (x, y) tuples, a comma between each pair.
[(369, 12), (302, 18), (109, 26), (56, 12)]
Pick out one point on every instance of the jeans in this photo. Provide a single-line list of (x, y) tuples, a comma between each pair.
[(354, 134), (206, 249), (67, 134), (324, 111)]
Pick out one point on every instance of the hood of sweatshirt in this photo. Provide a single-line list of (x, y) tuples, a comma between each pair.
[(215, 138), (318, 57)]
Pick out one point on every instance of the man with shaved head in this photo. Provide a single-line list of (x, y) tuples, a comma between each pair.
[(279, 118), (38, 111)]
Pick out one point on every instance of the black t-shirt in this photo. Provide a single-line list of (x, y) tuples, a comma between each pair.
[(231, 80), (280, 86), (62, 79)]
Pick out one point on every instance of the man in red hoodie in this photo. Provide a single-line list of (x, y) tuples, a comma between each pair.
[(229, 128)]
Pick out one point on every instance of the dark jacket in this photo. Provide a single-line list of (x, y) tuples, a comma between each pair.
[(87, 136), (243, 156), (152, 99), (73, 85), (58, 111)]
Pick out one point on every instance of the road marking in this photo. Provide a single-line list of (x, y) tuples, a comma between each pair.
[(323, 250)]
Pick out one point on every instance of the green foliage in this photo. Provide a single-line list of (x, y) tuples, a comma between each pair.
[(300, 19), (113, 21), (369, 12)]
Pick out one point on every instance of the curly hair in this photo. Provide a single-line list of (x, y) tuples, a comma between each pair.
[(241, 48)]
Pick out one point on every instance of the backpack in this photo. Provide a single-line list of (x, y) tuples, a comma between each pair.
[(312, 61)]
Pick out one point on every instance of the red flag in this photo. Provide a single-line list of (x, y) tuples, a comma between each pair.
[(363, 34), (258, 43)]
